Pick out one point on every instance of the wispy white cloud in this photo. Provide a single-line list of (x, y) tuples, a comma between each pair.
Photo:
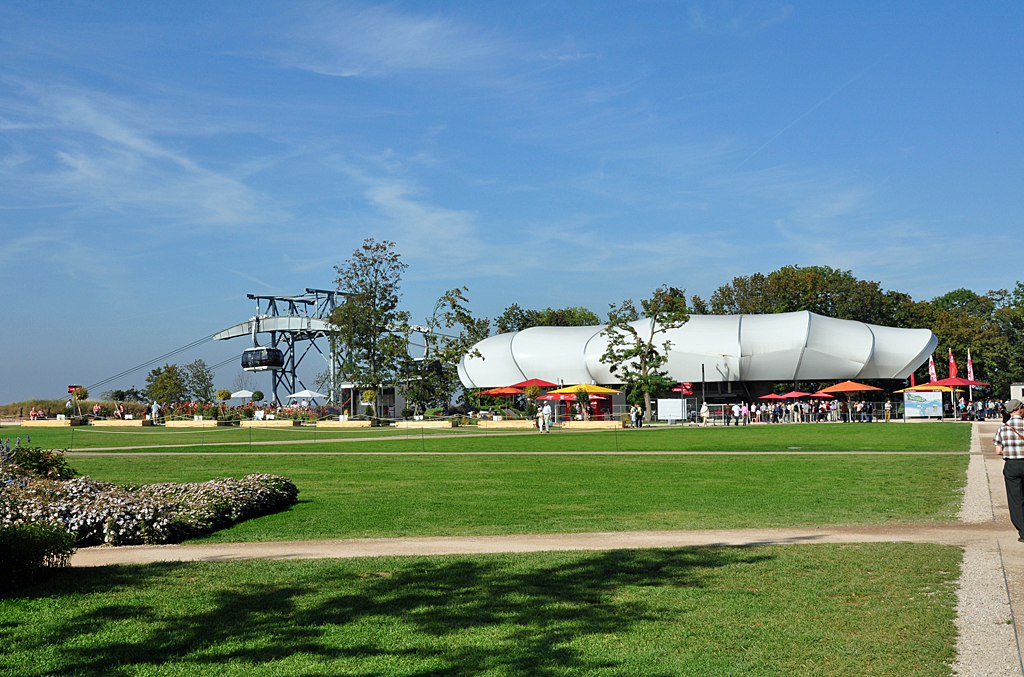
[(733, 18), (105, 155), (382, 41)]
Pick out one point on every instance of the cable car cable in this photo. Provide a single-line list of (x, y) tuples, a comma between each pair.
[(151, 362)]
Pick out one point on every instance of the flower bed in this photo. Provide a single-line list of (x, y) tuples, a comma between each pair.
[(99, 512)]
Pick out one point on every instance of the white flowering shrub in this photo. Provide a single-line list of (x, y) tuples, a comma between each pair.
[(99, 512)]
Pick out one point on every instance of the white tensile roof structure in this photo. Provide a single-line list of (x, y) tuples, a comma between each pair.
[(785, 347)]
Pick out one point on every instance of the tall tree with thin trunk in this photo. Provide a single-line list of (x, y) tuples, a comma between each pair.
[(633, 351), (371, 329)]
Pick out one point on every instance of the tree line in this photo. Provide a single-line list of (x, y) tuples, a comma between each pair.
[(374, 336), (375, 333), (991, 325)]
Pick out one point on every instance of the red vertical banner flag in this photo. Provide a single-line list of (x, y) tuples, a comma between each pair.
[(952, 364), (912, 383), (932, 378), (970, 367)]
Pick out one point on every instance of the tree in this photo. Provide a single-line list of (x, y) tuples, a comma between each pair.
[(818, 289), (80, 394), (198, 380), (243, 381), (517, 319), (633, 351), (164, 384), (223, 394), (988, 325), (257, 396), (369, 326), (436, 379)]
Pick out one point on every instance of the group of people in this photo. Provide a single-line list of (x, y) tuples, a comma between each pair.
[(636, 416), (740, 413)]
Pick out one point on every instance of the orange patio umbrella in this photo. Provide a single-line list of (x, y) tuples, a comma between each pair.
[(502, 392), (847, 387)]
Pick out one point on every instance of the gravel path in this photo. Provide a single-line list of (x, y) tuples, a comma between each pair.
[(991, 583)]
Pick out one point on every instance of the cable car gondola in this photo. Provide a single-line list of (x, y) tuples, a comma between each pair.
[(262, 359)]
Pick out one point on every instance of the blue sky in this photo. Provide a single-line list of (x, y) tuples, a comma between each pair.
[(158, 161)]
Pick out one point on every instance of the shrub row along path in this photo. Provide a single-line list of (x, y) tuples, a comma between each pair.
[(992, 573)]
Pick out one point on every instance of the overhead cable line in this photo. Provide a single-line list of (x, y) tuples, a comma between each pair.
[(152, 362)]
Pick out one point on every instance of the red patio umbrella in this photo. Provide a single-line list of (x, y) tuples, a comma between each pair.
[(822, 395), (539, 382), (772, 396), (954, 382), (794, 394)]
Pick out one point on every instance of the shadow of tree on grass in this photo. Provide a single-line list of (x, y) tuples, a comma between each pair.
[(513, 614)]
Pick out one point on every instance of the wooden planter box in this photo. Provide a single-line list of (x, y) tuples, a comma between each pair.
[(416, 425), (591, 425), (53, 423), (198, 424), (364, 423), (520, 424), (276, 423), (121, 423)]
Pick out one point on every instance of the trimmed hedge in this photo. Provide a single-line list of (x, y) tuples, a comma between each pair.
[(30, 552)]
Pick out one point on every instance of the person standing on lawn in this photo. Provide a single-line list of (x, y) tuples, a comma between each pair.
[(1009, 443), (545, 421)]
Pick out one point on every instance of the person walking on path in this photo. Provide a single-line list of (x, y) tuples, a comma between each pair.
[(888, 410), (704, 413), (1009, 443)]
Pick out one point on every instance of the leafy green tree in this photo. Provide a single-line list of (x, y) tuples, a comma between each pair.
[(453, 333), (369, 326), (989, 325), (818, 289), (164, 384), (198, 381), (633, 351), (515, 318), (223, 394), (257, 396), (80, 394)]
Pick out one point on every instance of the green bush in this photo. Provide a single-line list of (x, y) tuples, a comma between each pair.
[(48, 463), (29, 552)]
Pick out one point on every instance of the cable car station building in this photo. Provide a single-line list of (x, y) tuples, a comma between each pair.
[(740, 356)]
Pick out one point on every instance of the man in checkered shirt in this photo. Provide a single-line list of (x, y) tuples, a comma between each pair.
[(1009, 441)]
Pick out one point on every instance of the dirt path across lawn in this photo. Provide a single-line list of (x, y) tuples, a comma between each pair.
[(992, 573)]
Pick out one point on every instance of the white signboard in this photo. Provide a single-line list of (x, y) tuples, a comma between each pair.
[(922, 404), (670, 410)]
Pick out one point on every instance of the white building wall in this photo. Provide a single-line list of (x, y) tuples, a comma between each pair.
[(781, 347)]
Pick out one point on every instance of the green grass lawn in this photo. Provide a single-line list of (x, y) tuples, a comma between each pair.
[(870, 609), (810, 437), (347, 496)]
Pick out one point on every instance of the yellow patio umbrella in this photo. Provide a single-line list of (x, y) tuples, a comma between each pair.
[(585, 387), (926, 387)]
